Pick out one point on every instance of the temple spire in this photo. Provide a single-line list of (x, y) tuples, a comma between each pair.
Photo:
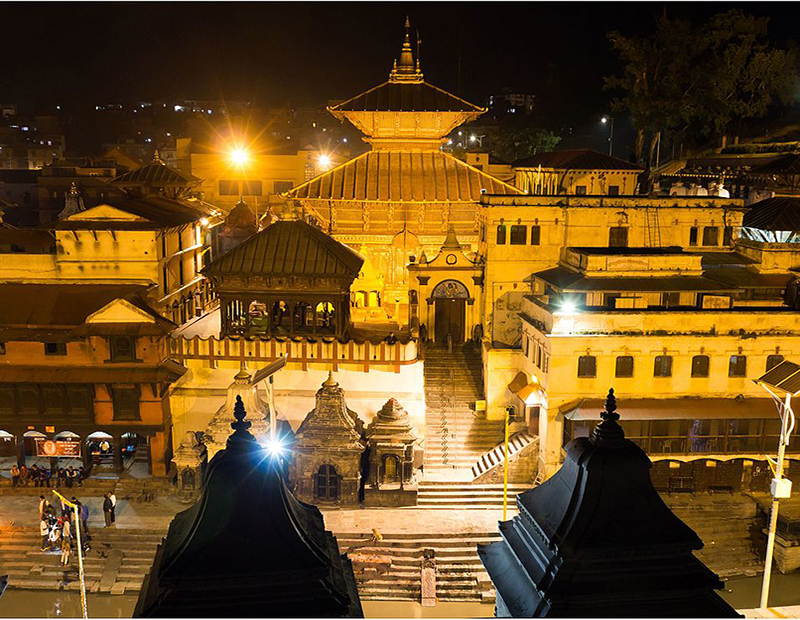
[(608, 433), (405, 69)]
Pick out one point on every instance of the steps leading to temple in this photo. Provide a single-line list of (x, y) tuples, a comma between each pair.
[(496, 456), (445, 494), (456, 436), (460, 576)]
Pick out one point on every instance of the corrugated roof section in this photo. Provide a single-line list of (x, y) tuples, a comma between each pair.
[(289, 248), (403, 176), (161, 211), (579, 159), (155, 173), (406, 97), (778, 213)]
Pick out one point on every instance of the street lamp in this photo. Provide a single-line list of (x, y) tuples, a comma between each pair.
[(239, 156), (609, 120), (782, 382)]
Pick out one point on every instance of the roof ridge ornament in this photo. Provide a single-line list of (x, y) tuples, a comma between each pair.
[(157, 158), (609, 434), (406, 69)]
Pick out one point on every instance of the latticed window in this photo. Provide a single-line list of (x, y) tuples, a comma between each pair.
[(624, 366), (518, 234), (326, 486), (501, 234)]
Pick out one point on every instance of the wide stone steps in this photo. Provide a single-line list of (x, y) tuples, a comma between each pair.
[(465, 495), (30, 568), (459, 577)]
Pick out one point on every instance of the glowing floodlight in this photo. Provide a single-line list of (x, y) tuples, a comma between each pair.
[(324, 162), (239, 156), (275, 447), (568, 307)]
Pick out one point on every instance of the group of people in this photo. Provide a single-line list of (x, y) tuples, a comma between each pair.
[(42, 476), (59, 531)]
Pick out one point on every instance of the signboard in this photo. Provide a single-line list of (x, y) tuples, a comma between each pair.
[(54, 448)]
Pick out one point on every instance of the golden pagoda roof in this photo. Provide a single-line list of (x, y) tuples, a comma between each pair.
[(402, 176), (392, 96)]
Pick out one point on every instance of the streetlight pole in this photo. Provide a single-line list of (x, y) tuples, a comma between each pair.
[(609, 120), (505, 468)]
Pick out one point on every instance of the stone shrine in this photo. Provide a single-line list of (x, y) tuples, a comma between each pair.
[(328, 449), (190, 460), (597, 541), (391, 440)]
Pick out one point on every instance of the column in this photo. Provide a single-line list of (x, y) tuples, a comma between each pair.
[(118, 467), (86, 454), (149, 455), (20, 449)]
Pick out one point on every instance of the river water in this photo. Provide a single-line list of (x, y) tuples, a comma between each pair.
[(742, 593)]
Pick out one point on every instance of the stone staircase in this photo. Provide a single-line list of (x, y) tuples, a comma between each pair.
[(117, 562), (495, 457), (466, 495), (460, 576), (456, 436), (728, 526)]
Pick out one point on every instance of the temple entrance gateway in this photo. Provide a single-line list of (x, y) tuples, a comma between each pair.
[(450, 299)]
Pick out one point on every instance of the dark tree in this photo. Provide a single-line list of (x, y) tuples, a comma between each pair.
[(699, 81)]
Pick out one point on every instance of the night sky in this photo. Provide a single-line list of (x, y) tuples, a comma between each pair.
[(309, 53)]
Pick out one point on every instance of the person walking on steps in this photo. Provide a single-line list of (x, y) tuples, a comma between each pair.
[(66, 550)]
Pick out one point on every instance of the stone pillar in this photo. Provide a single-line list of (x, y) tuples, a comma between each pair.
[(118, 466), (86, 454)]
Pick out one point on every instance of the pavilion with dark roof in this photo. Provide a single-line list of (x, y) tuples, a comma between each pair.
[(156, 177), (289, 279)]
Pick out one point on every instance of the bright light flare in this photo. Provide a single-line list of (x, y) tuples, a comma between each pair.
[(239, 156), (324, 162), (568, 307), (275, 447), (204, 221)]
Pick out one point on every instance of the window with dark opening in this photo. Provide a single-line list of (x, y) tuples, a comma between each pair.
[(624, 366), (536, 234), (773, 360), (663, 366), (518, 234), (55, 348), (613, 190), (229, 188), (710, 235), (580, 190), (126, 403), (587, 366), (618, 237), (727, 235), (326, 483), (123, 348), (700, 364), (737, 366), (501, 234)]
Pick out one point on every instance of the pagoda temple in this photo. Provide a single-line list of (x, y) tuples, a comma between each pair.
[(405, 188), (597, 541), (248, 548)]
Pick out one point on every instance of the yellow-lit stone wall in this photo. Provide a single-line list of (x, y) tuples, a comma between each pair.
[(549, 181)]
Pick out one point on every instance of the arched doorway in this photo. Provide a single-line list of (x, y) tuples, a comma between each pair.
[(100, 448), (450, 299)]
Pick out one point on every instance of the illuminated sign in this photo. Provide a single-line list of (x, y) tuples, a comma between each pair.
[(53, 448)]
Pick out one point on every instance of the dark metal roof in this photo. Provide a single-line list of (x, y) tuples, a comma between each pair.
[(289, 247), (778, 213), (579, 159), (65, 305), (746, 278), (156, 174), (786, 164), (161, 211), (572, 281), (406, 97), (399, 176), (21, 176)]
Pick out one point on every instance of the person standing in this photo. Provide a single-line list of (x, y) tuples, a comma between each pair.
[(66, 549), (15, 475), (41, 505), (108, 509), (44, 530)]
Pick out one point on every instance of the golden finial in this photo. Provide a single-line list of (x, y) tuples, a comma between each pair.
[(329, 382)]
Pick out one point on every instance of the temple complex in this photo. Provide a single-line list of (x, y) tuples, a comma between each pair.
[(400, 197)]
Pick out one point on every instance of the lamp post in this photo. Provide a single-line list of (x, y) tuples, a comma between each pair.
[(505, 464), (609, 120), (66, 502), (785, 379)]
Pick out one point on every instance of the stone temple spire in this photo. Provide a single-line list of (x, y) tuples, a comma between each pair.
[(406, 69)]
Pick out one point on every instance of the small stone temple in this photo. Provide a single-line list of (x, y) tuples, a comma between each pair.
[(248, 548), (190, 460), (289, 279), (597, 541), (218, 429), (391, 440), (328, 448)]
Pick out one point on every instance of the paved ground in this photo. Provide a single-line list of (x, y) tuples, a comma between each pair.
[(414, 520)]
